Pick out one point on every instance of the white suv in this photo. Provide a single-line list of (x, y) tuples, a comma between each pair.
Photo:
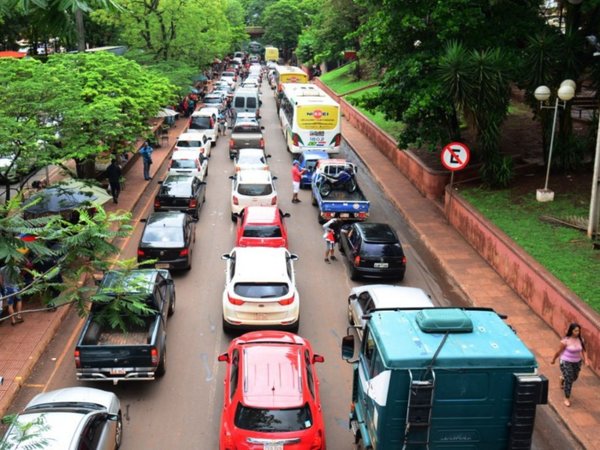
[(205, 120), (252, 188), (260, 289), (198, 142), (189, 162)]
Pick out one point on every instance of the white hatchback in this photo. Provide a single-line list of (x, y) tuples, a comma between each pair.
[(252, 188), (198, 142), (251, 159), (260, 289), (189, 162)]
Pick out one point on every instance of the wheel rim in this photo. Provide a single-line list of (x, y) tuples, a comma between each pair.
[(119, 432)]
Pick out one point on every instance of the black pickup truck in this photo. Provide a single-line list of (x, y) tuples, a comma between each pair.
[(140, 353)]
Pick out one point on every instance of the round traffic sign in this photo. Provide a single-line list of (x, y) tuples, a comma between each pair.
[(455, 156)]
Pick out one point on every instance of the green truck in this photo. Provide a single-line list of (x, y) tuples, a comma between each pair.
[(442, 378)]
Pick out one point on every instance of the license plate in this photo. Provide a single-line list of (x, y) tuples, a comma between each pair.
[(381, 265), (344, 215), (260, 316), (162, 266), (117, 371), (273, 447)]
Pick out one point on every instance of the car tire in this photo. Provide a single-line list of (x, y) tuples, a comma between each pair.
[(119, 431), (350, 318), (172, 305), (162, 364), (314, 200), (227, 328), (341, 248), (233, 217), (293, 328)]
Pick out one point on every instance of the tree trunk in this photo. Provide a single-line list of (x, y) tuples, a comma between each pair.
[(80, 30)]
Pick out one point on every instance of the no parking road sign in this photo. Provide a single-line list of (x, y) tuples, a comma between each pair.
[(455, 156)]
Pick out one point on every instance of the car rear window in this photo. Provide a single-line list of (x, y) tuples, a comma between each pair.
[(273, 420), (250, 102), (270, 231), (254, 189), (175, 190), (189, 144), (261, 290), (238, 102), (183, 164), (200, 123), (228, 74), (381, 250), (165, 236)]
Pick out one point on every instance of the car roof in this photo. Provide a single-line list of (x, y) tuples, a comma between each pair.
[(314, 154), (166, 219), (260, 264), (252, 151), (254, 176), (377, 233), (272, 376), (185, 154), (191, 136), (261, 214), (390, 296)]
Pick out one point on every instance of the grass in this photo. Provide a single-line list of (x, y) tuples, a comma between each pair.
[(565, 252)]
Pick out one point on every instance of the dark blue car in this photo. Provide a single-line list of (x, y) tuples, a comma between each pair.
[(308, 159)]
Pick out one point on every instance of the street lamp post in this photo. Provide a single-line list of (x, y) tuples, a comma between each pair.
[(595, 199), (566, 92)]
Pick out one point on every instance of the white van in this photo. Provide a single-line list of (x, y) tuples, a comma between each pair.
[(247, 100), (205, 120)]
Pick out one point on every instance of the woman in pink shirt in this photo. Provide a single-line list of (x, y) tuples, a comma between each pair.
[(572, 355)]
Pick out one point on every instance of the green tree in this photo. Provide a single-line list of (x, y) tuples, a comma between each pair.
[(283, 22)]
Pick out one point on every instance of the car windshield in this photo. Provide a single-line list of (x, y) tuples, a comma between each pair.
[(163, 236), (183, 164), (311, 164), (261, 290), (189, 144), (268, 231), (252, 189), (200, 123), (273, 420)]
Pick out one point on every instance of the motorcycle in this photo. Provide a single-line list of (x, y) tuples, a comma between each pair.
[(342, 180)]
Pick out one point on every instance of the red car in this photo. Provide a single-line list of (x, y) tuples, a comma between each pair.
[(261, 226), (271, 394)]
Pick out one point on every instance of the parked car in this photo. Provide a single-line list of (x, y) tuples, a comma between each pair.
[(189, 162), (364, 299), (261, 226), (72, 418), (260, 289), (271, 395), (308, 160), (230, 77), (198, 141), (205, 120), (372, 250), (184, 193), (168, 238), (251, 188), (251, 159), (245, 134), (214, 100)]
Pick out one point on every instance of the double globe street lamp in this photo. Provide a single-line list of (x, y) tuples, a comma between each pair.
[(566, 92)]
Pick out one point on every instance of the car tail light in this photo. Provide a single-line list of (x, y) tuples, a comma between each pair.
[(228, 442), (404, 260), (338, 140), (231, 143), (261, 143), (211, 122), (317, 443), (295, 139), (176, 148), (357, 260), (274, 200), (184, 252), (235, 301), (154, 356), (286, 301), (140, 252), (236, 200), (77, 359), (156, 203), (193, 203), (328, 215)]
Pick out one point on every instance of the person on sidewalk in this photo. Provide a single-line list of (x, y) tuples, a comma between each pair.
[(113, 173), (572, 354), (146, 153), (330, 238), (8, 291), (296, 177)]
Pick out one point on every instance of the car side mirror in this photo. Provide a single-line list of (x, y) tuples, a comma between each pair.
[(318, 359), (232, 177), (262, 127), (144, 220), (223, 357), (267, 156), (286, 215), (348, 348), (274, 178), (293, 257), (160, 182), (112, 417), (225, 256)]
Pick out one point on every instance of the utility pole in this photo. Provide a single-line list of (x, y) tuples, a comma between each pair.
[(595, 200)]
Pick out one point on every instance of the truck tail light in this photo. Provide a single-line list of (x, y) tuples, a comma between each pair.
[(77, 359), (154, 356), (193, 203), (286, 301), (261, 143), (362, 215), (274, 200), (156, 203), (236, 200), (295, 139), (141, 252), (357, 261), (317, 443), (231, 143), (235, 301), (184, 252), (328, 215)]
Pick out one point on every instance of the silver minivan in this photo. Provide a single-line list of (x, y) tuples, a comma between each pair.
[(247, 100)]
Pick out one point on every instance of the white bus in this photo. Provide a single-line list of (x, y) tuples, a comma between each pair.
[(310, 119)]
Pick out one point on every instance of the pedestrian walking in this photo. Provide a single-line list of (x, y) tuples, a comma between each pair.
[(146, 153), (222, 122), (572, 354), (113, 173), (330, 237), (296, 177), (9, 288)]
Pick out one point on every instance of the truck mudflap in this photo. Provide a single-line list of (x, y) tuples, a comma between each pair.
[(117, 374)]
